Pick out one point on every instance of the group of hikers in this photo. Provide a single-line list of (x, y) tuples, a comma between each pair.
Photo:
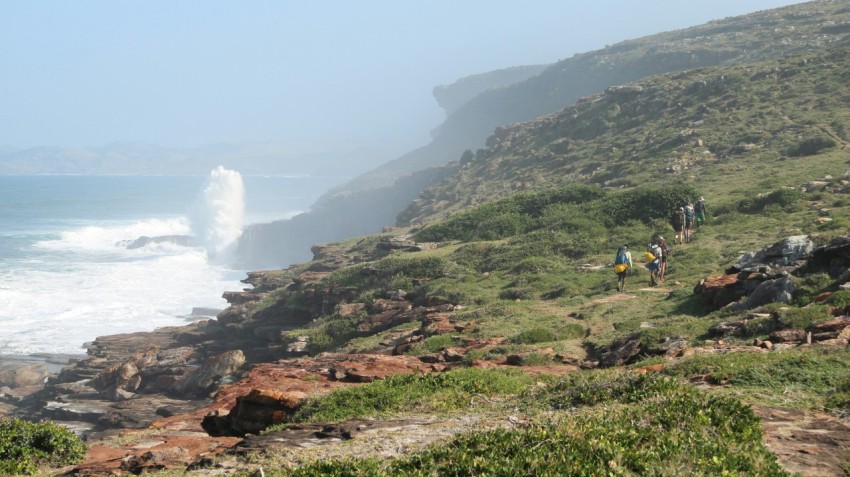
[(683, 219)]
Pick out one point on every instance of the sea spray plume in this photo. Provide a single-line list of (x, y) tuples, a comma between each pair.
[(217, 213)]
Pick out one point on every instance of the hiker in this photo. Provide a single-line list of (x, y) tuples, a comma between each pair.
[(622, 265), (689, 220), (665, 252), (700, 209), (653, 262), (677, 220)]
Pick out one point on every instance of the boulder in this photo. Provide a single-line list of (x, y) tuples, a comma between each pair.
[(832, 258), (620, 352), (254, 412), (792, 335), (779, 290), (832, 326), (16, 375), (181, 240), (735, 328), (717, 291), (212, 371), (785, 253)]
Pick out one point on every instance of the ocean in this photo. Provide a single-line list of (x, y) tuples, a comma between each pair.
[(67, 275)]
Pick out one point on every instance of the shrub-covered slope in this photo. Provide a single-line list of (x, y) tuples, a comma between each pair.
[(729, 129), (510, 267)]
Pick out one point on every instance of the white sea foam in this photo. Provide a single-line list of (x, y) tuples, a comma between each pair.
[(86, 283), (100, 288)]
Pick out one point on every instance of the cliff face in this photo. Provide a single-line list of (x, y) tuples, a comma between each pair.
[(453, 96), (769, 34), (284, 242)]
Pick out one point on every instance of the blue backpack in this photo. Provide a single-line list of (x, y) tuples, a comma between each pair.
[(621, 256)]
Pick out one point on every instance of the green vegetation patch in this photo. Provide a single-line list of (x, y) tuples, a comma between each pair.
[(447, 391), (25, 446), (682, 432), (786, 200), (820, 372), (600, 387), (578, 209)]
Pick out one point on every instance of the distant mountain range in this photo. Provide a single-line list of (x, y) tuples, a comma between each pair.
[(137, 158)]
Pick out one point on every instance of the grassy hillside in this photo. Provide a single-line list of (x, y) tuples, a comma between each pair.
[(796, 29), (734, 131), (522, 238)]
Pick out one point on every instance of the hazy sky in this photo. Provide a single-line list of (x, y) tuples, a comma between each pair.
[(190, 72)]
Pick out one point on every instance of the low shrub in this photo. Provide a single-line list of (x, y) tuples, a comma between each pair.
[(25, 446), (793, 317), (808, 287), (811, 146), (432, 344), (447, 391), (840, 299), (589, 389), (534, 335), (782, 199)]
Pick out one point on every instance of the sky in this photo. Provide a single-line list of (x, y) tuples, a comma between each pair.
[(91, 72)]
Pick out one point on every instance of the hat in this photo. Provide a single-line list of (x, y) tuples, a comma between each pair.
[(660, 238), (701, 198)]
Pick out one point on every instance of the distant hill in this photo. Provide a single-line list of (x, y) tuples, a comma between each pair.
[(705, 126), (758, 36), (807, 27), (148, 159), (453, 96)]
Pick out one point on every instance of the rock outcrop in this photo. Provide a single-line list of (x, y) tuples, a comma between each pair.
[(765, 276)]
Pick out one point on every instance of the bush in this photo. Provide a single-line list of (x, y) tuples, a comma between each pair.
[(803, 317), (840, 299), (811, 146), (507, 217), (783, 199), (645, 203), (534, 335), (589, 389), (24, 446)]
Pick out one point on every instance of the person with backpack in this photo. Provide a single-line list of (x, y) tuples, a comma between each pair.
[(689, 220), (665, 252), (653, 263), (700, 209), (677, 220), (622, 265)]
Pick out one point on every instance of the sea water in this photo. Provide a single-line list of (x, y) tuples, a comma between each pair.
[(67, 276)]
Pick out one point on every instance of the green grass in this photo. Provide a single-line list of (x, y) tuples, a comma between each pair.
[(412, 393), (815, 376)]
